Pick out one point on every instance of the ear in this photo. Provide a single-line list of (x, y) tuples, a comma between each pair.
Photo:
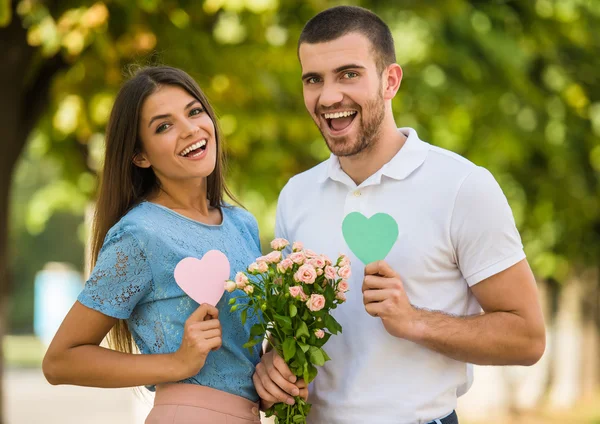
[(392, 77), (140, 160)]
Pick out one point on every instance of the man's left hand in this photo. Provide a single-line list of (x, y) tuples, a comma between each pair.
[(384, 297)]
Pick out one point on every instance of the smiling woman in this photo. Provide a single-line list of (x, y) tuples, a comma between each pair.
[(160, 201)]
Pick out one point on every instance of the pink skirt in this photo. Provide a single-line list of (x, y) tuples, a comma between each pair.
[(194, 404)]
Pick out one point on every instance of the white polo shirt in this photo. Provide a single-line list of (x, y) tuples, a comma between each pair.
[(455, 229)]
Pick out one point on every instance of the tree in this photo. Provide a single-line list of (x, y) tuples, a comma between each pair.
[(510, 85)]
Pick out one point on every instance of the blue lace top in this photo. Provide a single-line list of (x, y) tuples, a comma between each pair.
[(133, 280)]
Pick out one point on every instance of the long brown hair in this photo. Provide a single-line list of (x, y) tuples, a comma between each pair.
[(123, 184)]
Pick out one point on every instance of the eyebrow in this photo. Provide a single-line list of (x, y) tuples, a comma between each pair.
[(335, 71), (154, 118)]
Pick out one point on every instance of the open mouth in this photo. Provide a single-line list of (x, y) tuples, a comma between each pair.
[(339, 121), (194, 150)]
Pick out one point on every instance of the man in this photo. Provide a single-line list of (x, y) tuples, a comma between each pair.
[(455, 288)]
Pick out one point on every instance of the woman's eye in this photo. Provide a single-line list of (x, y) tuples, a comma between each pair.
[(312, 80), (196, 111), (162, 128)]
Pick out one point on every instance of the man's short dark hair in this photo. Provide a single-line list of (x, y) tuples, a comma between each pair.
[(338, 21)]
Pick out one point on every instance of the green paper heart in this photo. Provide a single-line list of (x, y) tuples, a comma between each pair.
[(370, 239)]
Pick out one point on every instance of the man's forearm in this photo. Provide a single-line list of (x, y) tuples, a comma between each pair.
[(494, 338)]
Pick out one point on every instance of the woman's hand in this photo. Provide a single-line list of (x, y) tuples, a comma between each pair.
[(201, 334)]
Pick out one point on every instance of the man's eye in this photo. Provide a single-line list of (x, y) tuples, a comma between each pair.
[(312, 80), (350, 75)]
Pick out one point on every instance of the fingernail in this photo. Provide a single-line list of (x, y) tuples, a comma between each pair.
[(293, 378), (295, 392), (290, 401)]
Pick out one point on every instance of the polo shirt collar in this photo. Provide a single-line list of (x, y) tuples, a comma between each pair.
[(410, 157)]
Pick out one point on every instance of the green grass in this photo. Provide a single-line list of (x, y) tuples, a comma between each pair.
[(23, 351)]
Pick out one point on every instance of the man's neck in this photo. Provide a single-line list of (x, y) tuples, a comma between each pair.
[(361, 166)]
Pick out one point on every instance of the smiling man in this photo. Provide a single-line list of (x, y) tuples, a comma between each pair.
[(454, 289)]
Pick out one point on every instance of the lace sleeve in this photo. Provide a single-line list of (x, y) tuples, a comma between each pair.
[(121, 278)]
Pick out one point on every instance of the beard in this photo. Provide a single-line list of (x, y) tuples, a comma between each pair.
[(369, 128)]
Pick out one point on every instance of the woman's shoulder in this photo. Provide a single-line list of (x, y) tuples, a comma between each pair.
[(239, 214), (135, 222)]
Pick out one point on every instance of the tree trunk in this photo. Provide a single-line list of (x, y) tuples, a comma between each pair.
[(567, 346), (591, 338), (25, 88), (530, 383)]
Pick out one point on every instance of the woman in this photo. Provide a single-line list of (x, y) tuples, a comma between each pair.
[(161, 200)]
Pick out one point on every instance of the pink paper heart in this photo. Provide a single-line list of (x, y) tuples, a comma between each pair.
[(203, 279)]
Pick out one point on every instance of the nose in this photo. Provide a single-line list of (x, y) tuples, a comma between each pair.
[(189, 129), (330, 95)]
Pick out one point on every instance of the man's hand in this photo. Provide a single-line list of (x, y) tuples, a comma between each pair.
[(384, 297), (275, 382)]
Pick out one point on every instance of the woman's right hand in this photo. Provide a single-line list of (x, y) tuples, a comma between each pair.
[(201, 334)]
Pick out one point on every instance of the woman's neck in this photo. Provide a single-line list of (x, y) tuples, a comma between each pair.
[(183, 197)]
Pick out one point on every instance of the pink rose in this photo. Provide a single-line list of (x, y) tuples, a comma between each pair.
[(249, 289), (295, 291), (278, 281), (341, 296), (331, 273), (279, 244), (317, 262), (230, 286), (284, 265), (273, 257), (253, 268), (263, 267), (326, 259), (297, 258), (241, 280), (345, 272), (343, 261), (310, 253), (343, 286), (319, 271), (319, 334), (297, 246), (306, 274), (316, 302)]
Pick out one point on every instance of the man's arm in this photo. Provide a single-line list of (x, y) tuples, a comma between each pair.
[(509, 332)]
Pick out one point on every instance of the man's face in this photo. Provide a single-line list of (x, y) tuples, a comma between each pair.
[(343, 92)]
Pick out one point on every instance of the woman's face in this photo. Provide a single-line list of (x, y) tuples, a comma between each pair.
[(177, 136)]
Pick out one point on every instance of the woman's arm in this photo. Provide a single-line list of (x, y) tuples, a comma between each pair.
[(75, 356)]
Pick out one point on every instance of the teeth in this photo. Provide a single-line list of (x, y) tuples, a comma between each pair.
[(194, 146), (339, 114)]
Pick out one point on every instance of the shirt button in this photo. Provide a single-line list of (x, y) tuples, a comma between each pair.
[(255, 411), (357, 193)]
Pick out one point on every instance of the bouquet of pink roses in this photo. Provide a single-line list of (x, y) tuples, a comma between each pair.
[(293, 297)]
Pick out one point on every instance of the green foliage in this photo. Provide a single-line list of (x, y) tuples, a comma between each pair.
[(512, 86), (288, 296)]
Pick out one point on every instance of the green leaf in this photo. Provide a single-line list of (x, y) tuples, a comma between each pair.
[(244, 315), (289, 349), (299, 418), (293, 310), (302, 330), (325, 355), (303, 346), (283, 321), (316, 356), (257, 330), (300, 357), (331, 324), (312, 373), (251, 343)]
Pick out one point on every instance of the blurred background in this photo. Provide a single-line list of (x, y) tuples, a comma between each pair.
[(512, 85)]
